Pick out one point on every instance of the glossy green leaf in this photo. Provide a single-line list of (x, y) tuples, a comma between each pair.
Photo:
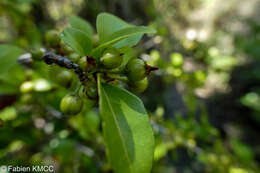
[(107, 24), (8, 57), (120, 35), (127, 131), (109, 27), (133, 30), (77, 40), (82, 25), (130, 41)]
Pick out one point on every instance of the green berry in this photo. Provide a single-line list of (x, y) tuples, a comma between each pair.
[(52, 38), (139, 86), (82, 63), (74, 57), (36, 54), (64, 78), (176, 59), (71, 104), (66, 49), (111, 59), (27, 87), (136, 69)]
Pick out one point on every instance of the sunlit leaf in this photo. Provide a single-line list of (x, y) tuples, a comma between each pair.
[(127, 131), (121, 35), (82, 25)]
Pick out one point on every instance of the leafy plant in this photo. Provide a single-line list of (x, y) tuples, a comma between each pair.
[(103, 67)]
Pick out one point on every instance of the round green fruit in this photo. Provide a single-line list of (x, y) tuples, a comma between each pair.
[(66, 49), (64, 78), (139, 86), (176, 59), (36, 54), (111, 59), (136, 69), (52, 38), (74, 57), (82, 62), (27, 87), (71, 104)]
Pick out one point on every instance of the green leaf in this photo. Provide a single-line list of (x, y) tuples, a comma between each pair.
[(107, 24), (109, 27), (127, 131), (120, 35), (77, 40), (12, 79), (134, 33), (127, 32), (130, 41), (8, 57), (7, 89), (82, 25)]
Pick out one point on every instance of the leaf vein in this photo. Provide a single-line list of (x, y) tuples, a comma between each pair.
[(123, 143)]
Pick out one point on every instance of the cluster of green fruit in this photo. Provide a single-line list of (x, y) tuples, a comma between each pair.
[(134, 73)]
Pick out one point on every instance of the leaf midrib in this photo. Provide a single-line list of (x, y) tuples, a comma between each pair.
[(117, 126)]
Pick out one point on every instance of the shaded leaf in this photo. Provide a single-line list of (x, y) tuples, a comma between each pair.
[(107, 24), (109, 27), (120, 35)]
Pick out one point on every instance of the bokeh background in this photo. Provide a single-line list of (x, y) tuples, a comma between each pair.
[(204, 102)]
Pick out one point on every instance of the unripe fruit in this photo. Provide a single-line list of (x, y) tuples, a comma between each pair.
[(111, 59), (139, 86), (65, 48), (71, 104), (27, 87), (41, 85), (176, 59), (36, 54), (64, 78), (82, 62), (136, 69), (74, 57), (52, 38)]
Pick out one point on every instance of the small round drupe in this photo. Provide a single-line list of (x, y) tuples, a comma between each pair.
[(64, 78), (139, 86), (71, 104), (26, 87), (82, 62), (52, 38), (111, 59), (74, 57), (37, 54), (136, 69)]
